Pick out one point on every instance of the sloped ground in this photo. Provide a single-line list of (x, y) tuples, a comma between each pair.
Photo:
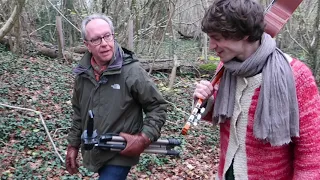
[(46, 85)]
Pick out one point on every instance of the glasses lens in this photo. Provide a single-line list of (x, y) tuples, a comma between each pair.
[(96, 41), (108, 37)]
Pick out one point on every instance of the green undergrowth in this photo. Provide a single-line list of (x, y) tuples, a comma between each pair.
[(45, 85)]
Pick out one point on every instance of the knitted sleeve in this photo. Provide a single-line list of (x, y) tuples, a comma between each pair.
[(307, 145)]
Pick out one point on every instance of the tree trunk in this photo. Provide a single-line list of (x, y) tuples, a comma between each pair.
[(130, 34), (130, 26), (12, 19), (174, 42), (16, 30), (60, 36), (104, 4), (70, 32), (205, 36), (173, 71), (161, 41)]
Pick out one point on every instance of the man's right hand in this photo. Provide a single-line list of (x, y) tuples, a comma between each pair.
[(203, 90), (136, 144), (71, 159)]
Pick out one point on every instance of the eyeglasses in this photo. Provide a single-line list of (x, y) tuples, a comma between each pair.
[(97, 41)]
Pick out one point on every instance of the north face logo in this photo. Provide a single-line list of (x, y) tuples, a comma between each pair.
[(115, 86)]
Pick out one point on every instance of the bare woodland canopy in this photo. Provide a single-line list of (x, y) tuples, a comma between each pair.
[(142, 26)]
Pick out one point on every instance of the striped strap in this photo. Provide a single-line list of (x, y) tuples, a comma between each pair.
[(278, 15)]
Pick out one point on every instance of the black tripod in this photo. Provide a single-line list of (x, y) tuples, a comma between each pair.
[(113, 142)]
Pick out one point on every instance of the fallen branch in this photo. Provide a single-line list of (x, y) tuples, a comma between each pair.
[(5, 143), (54, 134), (44, 125)]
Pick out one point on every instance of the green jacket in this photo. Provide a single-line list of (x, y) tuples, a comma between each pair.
[(118, 102)]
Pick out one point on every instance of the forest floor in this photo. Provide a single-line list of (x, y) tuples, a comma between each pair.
[(45, 85)]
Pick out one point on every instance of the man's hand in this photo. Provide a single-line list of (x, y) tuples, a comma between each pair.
[(71, 159), (203, 90), (136, 144)]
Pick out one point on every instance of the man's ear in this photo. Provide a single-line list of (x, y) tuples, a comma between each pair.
[(245, 38), (87, 45)]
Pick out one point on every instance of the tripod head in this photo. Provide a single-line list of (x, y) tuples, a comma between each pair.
[(89, 137)]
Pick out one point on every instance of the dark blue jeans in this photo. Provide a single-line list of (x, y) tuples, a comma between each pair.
[(112, 172)]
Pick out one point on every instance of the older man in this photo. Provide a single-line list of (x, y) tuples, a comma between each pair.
[(110, 82)]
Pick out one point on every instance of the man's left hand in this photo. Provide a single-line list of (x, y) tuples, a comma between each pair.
[(136, 144)]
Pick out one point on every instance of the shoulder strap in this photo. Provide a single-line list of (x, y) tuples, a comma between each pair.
[(278, 15)]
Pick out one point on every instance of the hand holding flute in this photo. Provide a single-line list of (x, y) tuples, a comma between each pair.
[(203, 91)]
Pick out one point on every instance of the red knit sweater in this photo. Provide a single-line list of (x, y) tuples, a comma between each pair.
[(298, 160)]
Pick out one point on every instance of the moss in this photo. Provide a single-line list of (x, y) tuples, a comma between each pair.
[(213, 58), (210, 58), (210, 67)]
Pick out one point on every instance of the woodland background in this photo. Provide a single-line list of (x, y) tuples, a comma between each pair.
[(40, 42)]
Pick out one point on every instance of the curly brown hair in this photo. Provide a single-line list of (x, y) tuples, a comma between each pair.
[(235, 19)]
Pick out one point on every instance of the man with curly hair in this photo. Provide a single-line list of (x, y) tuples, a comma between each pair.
[(267, 103)]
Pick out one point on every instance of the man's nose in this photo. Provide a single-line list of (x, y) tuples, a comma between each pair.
[(212, 44), (103, 42)]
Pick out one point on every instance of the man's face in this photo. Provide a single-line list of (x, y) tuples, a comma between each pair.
[(227, 49), (95, 30)]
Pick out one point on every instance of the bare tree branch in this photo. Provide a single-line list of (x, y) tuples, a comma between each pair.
[(304, 49), (12, 19)]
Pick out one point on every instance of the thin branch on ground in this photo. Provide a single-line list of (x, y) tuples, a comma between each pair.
[(167, 121), (44, 125), (5, 143), (176, 85), (176, 108), (59, 130)]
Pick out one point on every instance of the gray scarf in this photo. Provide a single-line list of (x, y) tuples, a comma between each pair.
[(276, 118)]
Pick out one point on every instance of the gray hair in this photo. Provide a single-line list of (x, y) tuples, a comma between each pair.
[(91, 17)]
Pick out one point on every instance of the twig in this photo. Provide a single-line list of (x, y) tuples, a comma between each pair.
[(41, 28), (167, 121), (187, 7), (43, 123), (196, 69), (189, 23), (304, 49), (161, 41), (177, 84), (58, 130), (5, 143), (63, 16), (172, 104), (165, 77)]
